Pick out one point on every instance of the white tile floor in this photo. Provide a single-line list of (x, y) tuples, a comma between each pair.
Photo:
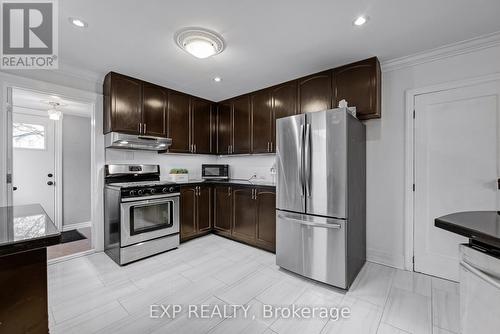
[(92, 294)]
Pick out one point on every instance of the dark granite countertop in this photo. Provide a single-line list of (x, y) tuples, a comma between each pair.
[(483, 226), (251, 183), (24, 228)]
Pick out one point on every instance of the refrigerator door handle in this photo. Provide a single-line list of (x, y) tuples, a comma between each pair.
[(301, 164), (479, 273), (303, 222), (307, 160)]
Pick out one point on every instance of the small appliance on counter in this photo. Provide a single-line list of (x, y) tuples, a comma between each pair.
[(215, 172), (141, 213)]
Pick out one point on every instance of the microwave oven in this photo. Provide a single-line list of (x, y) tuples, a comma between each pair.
[(215, 172)]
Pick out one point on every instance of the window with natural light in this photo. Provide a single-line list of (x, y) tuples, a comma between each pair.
[(30, 136)]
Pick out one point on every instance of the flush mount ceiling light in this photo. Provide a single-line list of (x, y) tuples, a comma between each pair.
[(360, 20), (53, 113), (78, 22), (217, 79), (199, 42)]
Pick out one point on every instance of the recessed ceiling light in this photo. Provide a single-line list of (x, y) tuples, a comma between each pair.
[(217, 79), (78, 22), (360, 20), (199, 42)]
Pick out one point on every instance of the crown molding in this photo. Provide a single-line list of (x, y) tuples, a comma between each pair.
[(446, 51)]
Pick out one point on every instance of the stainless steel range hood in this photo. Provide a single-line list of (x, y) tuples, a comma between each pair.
[(134, 142)]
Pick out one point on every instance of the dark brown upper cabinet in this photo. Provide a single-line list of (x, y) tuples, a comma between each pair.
[(223, 209), (241, 125), (262, 121), (224, 127), (122, 104), (359, 84), (242, 122), (154, 112), (284, 99), (201, 129), (315, 92), (179, 122), (284, 104)]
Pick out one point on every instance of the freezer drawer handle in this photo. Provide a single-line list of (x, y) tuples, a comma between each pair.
[(480, 274), (303, 222)]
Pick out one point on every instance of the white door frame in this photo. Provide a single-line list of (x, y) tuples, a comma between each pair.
[(97, 141), (409, 204)]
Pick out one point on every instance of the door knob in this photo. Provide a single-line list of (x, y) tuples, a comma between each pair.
[(14, 188), (50, 175), (50, 183)]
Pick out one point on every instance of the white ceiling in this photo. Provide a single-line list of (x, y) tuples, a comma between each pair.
[(268, 41), (39, 101)]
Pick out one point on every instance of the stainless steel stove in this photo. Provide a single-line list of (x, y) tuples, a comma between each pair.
[(141, 213)]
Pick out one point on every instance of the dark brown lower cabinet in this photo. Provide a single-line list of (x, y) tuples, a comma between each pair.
[(254, 216), (244, 214), (195, 211), (205, 206), (266, 219), (24, 303), (222, 210)]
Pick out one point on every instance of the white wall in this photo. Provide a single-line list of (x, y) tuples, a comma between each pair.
[(76, 157), (243, 167), (166, 161), (386, 145)]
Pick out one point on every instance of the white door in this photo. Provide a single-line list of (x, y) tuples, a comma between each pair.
[(33, 159), (456, 168)]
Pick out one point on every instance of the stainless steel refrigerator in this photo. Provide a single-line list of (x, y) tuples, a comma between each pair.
[(321, 196)]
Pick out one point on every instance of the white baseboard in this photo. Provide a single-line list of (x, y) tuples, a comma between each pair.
[(70, 257), (387, 259), (76, 226)]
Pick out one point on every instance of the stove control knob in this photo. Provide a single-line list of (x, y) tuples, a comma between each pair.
[(164, 190), (131, 192), (152, 190), (140, 192), (171, 189)]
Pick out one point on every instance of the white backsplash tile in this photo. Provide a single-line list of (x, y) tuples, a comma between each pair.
[(241, 167)]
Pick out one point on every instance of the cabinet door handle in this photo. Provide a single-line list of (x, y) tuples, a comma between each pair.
[(140, 128), (144, 128), (229, 191), (194, 146), (271, 147), (267, 146)]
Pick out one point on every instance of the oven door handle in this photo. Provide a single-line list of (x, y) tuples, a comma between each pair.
[(157, 198), (148, 201)]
